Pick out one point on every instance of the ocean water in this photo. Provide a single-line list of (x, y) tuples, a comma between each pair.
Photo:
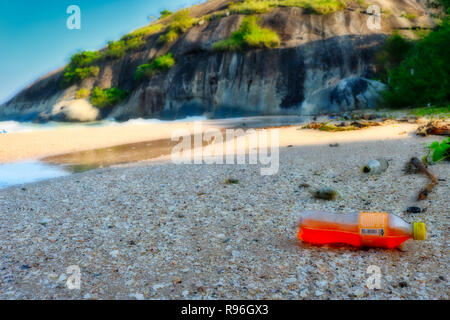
[(32, 171), (16, 126), (27, 172)]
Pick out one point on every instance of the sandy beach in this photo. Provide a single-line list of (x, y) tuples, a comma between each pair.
[(157, 230), (45, 143)]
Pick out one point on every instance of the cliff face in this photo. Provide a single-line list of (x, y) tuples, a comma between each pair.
[(323, 65)]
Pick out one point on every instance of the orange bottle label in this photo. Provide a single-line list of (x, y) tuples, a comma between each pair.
[(373, 224)]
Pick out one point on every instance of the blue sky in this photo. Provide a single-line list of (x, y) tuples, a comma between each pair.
[(34, 39)]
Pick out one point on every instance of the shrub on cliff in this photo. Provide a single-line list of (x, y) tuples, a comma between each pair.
[(181, 22), (81, 64), (250, 7), (160, 64), (392, 54), (445, 4), (315, 6), (84, 59), (263, 6), (83, 93), (249, 35), (424, 75), (103, 98), (115, 50), (72, 76), (144, 31), (165, 14)]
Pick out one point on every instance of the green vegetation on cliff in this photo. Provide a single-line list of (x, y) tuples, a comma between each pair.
[(144, 31), (250, 7), (418, 72), (83, 93), (249, 35), (423, 76), (160, 64), (263, 6), (80, 67), (104, 98), (409, 16), (392, 54), (84, 65), (181, 22), (75, 75), (165, 14)]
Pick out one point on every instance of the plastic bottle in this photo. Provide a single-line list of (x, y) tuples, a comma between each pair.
[(376, 166), (365, 229)]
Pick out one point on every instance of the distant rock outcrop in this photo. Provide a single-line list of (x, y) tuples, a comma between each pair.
[(323, 65)]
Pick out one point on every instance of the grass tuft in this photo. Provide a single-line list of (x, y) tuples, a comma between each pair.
[(409, 16), (181, 22), (249, 35), (250, 7), (144, 32), (231, 181), (160, 64), (104, 98), (74, 75), (264, 6), (83, 93), (433, 111)]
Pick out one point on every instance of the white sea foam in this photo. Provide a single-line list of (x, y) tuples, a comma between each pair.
[(27, 172), (15, 126)]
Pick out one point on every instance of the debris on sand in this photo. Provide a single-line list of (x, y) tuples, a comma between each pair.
[(343, 126), (415, 166), (435, 127), (325, 193), (414, 210), (376, 166)]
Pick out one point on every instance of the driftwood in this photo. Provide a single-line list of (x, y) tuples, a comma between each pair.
[(419, 166), (343, 126), (434, 127)]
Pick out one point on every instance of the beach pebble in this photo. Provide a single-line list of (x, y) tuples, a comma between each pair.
[(138, 296), (413, 210), (318, 293), (114, 253), (62, 277), (158, 286), (45, 221), (326, 193)]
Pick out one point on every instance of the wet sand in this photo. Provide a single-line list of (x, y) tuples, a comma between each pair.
[(104, 146), (45, 143)]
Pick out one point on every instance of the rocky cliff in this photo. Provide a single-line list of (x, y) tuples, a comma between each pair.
[(323, 64)]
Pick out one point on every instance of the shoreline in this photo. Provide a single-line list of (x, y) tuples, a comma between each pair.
[(40, 144)]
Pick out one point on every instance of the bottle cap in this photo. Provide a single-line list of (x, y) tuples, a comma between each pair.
[(420, 231)]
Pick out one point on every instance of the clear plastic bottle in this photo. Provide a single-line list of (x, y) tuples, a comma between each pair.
[(376, 166), (364, 229)]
